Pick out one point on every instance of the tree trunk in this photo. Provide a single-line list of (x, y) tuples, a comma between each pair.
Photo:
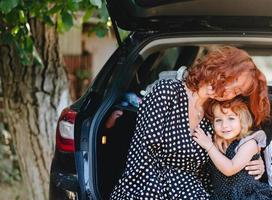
[(32, 100)]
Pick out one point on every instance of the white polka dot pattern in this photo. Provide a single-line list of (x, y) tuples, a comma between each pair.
[(163, 161)]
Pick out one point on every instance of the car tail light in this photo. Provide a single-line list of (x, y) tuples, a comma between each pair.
[(65, 131)]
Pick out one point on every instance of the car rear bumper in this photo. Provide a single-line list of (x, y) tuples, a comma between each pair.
[(63, 179)]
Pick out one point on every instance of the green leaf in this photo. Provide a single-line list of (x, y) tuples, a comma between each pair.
[(87, 15), (123, 34), (47, 19), (72, 5), (103, 12), (28, 45), (22, 17), (101, 29), (67, 20), (7, 38), (55, 9), (24, 57), (37, 58), (97, 3), (101, 32), (38, 9), (15, 30), (13, 17), (7, 5), (83, 74), (60, 25)]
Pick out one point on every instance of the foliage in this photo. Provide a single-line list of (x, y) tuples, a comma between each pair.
[(15, 16), (123, 33), (83, 74)]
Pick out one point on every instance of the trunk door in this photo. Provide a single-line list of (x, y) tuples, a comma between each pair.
[(191, 15)]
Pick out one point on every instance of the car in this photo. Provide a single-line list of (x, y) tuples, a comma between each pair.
[(93, 134)]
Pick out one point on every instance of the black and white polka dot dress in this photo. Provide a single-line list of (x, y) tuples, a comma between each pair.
[(163, 161)]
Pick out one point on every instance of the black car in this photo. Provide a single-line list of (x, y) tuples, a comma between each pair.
[(93, 134)]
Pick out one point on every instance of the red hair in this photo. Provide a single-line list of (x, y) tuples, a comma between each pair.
[(224, 66)]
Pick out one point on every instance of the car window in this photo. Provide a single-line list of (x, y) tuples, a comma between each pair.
[(163, 60), (261, 56), (264, 63)]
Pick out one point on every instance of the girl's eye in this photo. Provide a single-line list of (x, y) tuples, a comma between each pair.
[(217, 120), (231, 118)]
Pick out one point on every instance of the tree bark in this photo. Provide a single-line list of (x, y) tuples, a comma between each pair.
[(32, 101)]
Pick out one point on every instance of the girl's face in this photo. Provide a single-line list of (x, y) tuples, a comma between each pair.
[(226, 124)]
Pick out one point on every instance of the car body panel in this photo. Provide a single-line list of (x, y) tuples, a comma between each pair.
[(89, 117), (144, 15)]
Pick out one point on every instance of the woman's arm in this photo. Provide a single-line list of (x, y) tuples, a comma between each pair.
[(226, 166)]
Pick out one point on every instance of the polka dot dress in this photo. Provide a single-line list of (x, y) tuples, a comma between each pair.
[(163, 161)]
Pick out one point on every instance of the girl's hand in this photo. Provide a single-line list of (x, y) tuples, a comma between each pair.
[(220, 143), (256, 168), (205, 141)]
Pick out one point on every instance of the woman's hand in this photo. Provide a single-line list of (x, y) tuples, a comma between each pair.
[(256, 168), (205, 141)]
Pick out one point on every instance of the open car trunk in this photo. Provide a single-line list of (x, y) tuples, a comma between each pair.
[(163, 54), (166, 34)]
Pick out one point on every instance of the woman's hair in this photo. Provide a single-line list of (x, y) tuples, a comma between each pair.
[(224, 66), (239, 107)]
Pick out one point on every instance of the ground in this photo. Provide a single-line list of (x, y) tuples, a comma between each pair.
[(16, 191)]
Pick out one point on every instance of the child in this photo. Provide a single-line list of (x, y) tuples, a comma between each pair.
[(232, 122)]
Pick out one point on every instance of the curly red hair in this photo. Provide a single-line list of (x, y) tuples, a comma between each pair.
[(224, 66)]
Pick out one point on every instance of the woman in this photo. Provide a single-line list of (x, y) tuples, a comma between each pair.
[(164, 162)]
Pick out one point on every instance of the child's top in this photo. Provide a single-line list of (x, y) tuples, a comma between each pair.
[(241, 185)]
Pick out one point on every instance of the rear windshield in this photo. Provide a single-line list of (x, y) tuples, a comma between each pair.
[(264, 63)]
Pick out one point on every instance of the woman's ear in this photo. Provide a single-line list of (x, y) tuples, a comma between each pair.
[(210, 90)]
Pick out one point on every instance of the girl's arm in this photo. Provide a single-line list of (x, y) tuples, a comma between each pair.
[(255, 168), (226, 166), (243, 156)]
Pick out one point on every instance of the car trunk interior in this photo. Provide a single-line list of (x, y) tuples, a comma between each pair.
[(116, 130)]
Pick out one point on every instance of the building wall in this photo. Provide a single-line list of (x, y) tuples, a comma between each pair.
[(70, 42), (84, 56), (100, 48)]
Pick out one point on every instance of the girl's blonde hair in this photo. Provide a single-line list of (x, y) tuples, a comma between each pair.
[(239, 107)]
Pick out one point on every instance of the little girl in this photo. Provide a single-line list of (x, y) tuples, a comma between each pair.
[(232, 122)]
